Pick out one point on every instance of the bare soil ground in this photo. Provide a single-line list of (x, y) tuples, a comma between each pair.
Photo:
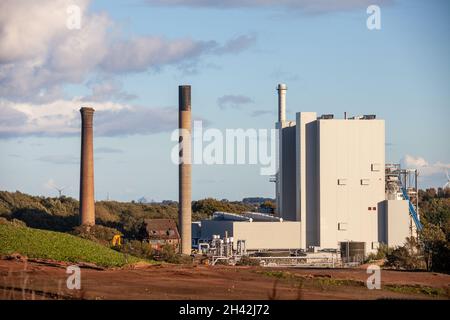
[(37, 280)]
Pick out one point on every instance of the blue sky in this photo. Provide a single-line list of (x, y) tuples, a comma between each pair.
[(133, 55)]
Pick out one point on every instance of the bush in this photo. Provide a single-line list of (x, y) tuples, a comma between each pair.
[(96, 233), (143, 249), (407, 257), (206, 207), (168, 254), (436, 248), (382, 252), (440, 259), (137, 248)]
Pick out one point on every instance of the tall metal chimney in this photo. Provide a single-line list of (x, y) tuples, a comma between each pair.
[(185, 192), (281, 88), (87, 206), (281, 102)]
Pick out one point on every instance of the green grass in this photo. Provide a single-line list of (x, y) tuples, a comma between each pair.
[(35, 243), (417, 289), (328, 283), (276, 274), (321, 281)]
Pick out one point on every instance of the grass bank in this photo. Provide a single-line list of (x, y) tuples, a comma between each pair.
[(42, 244)]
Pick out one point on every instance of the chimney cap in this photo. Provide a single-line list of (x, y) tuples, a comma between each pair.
[(86, 109), (184, 97), (282, 86)]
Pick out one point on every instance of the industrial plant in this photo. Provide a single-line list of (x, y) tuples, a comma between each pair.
[(336, 198), (237, 157)]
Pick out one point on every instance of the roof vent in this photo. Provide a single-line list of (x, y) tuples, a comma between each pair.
[(369, 117), (327, 116)]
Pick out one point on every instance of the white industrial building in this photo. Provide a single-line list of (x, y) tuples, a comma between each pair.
[(259, 231), (331, 189), (331, 179)]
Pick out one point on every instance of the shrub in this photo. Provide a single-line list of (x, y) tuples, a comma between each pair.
[(168, 254), (436, 248), (143, 249), (96, 233), (406, 257), (382, 252), (137, 248), (206, 207)]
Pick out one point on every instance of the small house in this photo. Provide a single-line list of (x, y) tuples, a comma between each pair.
[(159, 232)]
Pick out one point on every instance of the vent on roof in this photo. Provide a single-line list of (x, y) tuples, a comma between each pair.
[(326, 116)]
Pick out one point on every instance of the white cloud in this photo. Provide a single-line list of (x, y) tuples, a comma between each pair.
[(39, 54), (236, 45), (107, 88), (141, 53), (414, 162), (233, 101), (29, 27), (257, 113), (135, 120), (62, 117), (50, 184), (425, 168)]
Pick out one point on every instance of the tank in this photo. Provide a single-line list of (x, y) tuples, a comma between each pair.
[(353, 251)]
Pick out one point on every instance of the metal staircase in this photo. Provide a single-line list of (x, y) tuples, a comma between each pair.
[(412, 210)]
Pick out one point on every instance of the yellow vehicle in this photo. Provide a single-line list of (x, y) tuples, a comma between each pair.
[(117, 240)]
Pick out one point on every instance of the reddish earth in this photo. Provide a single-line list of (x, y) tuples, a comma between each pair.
[(31, 280)]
